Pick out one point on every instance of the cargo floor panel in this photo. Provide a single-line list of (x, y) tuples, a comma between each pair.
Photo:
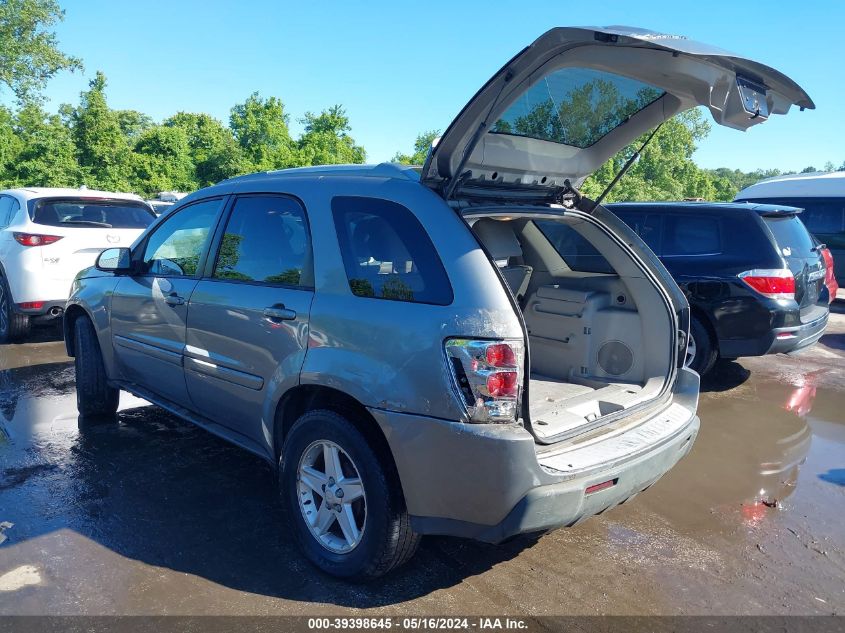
[(558, 406)]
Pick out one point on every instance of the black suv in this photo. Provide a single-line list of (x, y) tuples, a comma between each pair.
[(753, 275)]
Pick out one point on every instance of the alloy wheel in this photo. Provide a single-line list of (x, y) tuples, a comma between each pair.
[(691, 351), (331, 496)]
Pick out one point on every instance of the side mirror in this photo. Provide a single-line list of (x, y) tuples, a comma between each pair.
[(115, 260)]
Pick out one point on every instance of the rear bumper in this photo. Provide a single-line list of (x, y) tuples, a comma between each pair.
[(33, 284), (490, 483), (795, 338), (779, 340), (49, 310)]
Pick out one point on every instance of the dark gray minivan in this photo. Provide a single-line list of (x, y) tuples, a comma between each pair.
[(412, 351)]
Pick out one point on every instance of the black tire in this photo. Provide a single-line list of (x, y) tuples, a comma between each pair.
[(94, 397), (387, 539), (705, 349), (13, 326)]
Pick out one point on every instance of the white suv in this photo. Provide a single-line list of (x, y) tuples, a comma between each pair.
[(49, 235)]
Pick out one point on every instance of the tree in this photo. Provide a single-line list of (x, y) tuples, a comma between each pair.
[(48, 154), (10, 146), (421, 148), (665, 170), (161, 161), (326, 140), (133, 123), (102, 149), (260, 127), (29, 53), (215, 153)]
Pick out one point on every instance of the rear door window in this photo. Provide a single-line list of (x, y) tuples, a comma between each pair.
[(648, 226), (574, 249), (685, 235), (824, 217), (789, 232), (81, 213), (387, 252), (266, 241)]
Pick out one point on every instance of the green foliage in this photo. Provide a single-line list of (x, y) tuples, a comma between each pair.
[(326, 140), (260, 127), (162, 161), (215, 153), (421, 147), (589, 112), (125, 150), (665, 169), (47, 155), (29, 55), (102, 149)]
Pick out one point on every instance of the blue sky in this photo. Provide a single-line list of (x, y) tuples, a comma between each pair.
[(400, 68)]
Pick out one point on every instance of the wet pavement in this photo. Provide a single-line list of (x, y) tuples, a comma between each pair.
[(154, 516)]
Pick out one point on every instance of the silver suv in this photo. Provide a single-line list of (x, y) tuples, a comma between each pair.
[(476, 350)]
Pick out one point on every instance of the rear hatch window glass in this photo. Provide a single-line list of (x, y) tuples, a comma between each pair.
[(574, 249), (790, 233), (576, 106), (387, 253), (105, 214)]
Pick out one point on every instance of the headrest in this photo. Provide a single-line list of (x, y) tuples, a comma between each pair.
[(498, 237)]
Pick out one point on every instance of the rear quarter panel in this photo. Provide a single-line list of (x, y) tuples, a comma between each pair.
[(389, 354)]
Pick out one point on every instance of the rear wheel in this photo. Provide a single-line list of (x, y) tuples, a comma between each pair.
[(13, 326), (344, 502), (94, 397), (701, 351)]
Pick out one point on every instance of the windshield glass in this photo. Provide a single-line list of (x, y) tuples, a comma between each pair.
[(106, 214), (576, 106)]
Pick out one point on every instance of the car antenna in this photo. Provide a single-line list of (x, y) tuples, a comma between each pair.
[(624, 169)]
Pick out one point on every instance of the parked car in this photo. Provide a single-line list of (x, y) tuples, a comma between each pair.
[(753, 275), (164, 200), (830, 275), (49, 235), (411, 349), (821, 195)]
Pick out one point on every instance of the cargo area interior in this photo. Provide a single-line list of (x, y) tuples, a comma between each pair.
[(596, 324)]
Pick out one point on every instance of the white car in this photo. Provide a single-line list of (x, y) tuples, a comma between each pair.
[(49, 235), (821, 195)]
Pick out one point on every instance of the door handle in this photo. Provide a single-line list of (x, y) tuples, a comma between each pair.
[(279, 313), (174, 300)]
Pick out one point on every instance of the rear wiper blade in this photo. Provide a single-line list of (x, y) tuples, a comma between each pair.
[(818, 248), (105, 225)]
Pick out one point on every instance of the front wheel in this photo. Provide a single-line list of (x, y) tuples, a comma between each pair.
[(343, 500), (701, 351), (94, 397)]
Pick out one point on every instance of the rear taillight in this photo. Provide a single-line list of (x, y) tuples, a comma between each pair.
[(487, 377), (34, 239), (775, 284)]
